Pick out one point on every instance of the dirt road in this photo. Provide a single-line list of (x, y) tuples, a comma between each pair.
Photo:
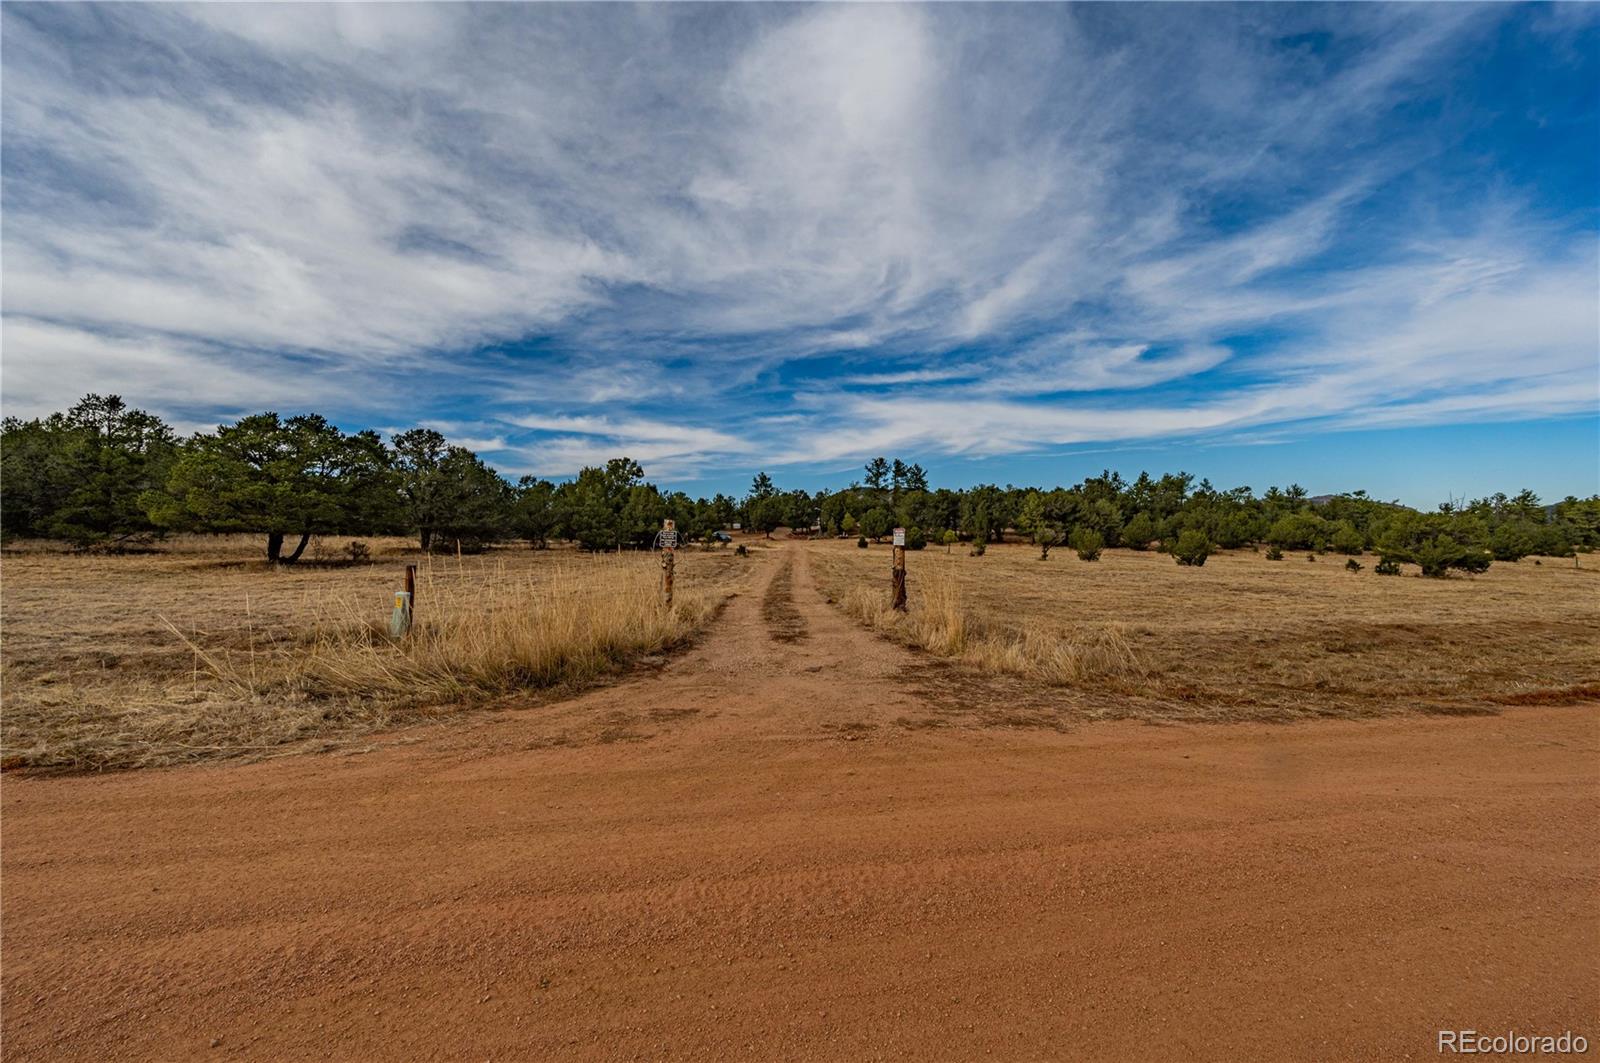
[(799, 841)]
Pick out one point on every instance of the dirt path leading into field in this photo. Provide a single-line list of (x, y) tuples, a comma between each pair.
[(784, 844)]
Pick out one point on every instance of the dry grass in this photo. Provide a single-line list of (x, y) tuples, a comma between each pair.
[(490, 631), (203, 650), (940, 622), (1243, 637)]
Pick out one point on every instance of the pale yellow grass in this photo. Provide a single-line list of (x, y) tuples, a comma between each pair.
[(203, 650), (1242, 637), (939, 621), (494, 631)]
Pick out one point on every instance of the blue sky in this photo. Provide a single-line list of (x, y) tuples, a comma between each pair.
[(1348, 245)]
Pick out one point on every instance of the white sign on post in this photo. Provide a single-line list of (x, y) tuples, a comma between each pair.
[(899, 536), (669, 535), (735, 525)]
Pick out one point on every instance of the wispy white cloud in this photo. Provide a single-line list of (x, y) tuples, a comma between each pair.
[(911, 376), (40, 355), (745, 235), (671, 449)]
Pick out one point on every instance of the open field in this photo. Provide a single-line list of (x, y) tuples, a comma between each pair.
[(1242, 638), (205, 650), (798, 840)]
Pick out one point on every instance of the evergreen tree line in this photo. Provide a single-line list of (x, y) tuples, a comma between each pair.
[(103, 474)]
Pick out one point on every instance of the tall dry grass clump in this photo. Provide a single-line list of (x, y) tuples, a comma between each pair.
[(938, 621), (490, 632), (320, 667)]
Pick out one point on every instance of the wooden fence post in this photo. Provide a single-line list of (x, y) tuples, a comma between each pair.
[(897, 595), (669, 546)]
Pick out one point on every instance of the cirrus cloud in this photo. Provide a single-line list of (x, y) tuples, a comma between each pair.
[(719, 237)]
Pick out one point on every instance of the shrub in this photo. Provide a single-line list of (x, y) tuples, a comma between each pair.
[(877, 523), (1274, 554), (1224, 531), (978, 547), (1511, 542), (1297, 531), (1346, 540), (915, 539), (861, 541), (1439, 542), (1552, 540), (1435, 555), (1192, 548), (358, 551), (1140, 530), (1352, 565), (1387, 566), (1046, 537), (1439, 555), (1088, 543), (1311, 557), (950, 538), (741, 551)]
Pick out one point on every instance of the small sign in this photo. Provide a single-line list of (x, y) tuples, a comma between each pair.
[(735, 525), (899, 536), (400, 619), (669, 540), (669, 525)]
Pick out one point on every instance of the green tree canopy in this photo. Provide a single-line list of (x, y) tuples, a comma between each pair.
[(475, 505), (300, 476), (877, 523), (80, 475), (536, 514), (602, 512)]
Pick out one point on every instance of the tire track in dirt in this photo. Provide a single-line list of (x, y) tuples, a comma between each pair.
[(780, 664), (783, 619)]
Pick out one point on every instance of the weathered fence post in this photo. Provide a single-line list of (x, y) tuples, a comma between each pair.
[(669, 546), (897, 597)]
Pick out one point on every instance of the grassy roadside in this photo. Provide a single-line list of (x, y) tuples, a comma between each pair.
[(198, 654), (1242, 638), (941, 623)]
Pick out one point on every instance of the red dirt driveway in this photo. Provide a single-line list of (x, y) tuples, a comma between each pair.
[(784, 845)]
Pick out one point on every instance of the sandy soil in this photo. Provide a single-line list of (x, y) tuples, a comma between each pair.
[(798, 841)]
